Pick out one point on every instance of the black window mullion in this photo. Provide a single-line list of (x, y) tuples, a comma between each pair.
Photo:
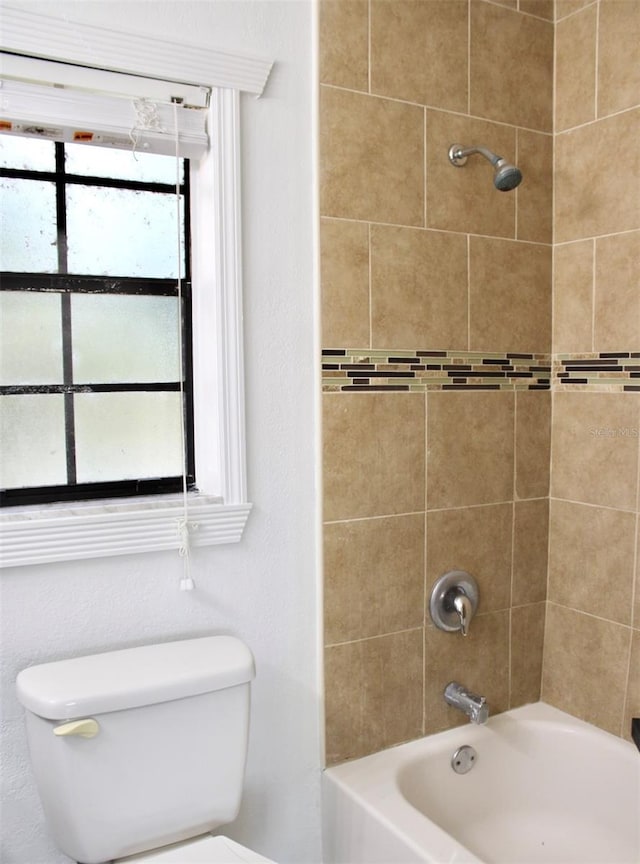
[(187, 378), (61, 209), (185, 191), (67, 377), (65, 313), (88, 180), (78, 284)]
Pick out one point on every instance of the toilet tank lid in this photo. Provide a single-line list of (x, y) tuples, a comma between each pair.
[(133, 677)]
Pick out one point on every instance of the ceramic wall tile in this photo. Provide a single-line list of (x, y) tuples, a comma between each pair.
[(344, 272), (591, 198), (511, 77), (371, 158), (591, 559), (418, 288), (527, 643), (470, 455), (365, 683), (419, 51), (374, 576), (618, 56), (344, 43), (374, 458), (595, 448), (576, 69), (530, 551), (585, 666), (509, 306)]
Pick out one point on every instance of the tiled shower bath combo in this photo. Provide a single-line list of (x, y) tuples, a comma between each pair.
[(481, 360)]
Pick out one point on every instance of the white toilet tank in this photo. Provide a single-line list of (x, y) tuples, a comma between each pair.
[(166, 758)]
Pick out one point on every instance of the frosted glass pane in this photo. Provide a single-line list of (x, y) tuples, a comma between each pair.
[(121, 164), (30, 338), (124, 338), (33, 447), (28, 226), (30, 154), (123, 436), (121, 232)]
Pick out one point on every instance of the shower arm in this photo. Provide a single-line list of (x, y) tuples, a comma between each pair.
[(458, 155)]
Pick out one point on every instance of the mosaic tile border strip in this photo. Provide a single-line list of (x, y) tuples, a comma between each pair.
[(608, 371), (364, 370)]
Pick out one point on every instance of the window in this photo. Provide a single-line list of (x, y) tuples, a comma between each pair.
[(220, 509), (93, 400)]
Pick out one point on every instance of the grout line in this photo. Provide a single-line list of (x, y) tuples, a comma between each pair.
[(519, 11), (593, 237), (635, 588), (375, 636), (425, 552), (527, 605), (370, 285), (597, 60), (509, 658), (467, 116), (553, 224), (554, 88), (588, 504), (426, 461), (545, 633), (513, 544), (424, 166), (469, 57), (517, 189), (628, 627), (369, 45), (576, 11), (592, 122), (443, 510), (424, 623), (593, 295), (468, 292), (449, 231), (513, 549)]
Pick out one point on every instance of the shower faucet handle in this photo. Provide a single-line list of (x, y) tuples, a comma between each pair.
[(453, 601), (462, 605)]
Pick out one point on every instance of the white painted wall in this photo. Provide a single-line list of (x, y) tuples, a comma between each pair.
[(264, 589)]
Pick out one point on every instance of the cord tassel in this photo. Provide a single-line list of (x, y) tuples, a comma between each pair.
[(184, 550)]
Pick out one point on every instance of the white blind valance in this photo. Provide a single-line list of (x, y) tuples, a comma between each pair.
[(96, 118), (55, 38)]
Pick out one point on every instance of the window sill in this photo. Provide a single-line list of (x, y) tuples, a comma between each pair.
[(39, 535)]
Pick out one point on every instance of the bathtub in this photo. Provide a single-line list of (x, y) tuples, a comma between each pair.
[(544, 788)]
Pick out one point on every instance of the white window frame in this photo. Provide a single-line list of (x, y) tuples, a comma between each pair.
[(59, 532)]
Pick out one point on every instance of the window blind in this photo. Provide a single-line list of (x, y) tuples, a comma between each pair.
[(70, 103)]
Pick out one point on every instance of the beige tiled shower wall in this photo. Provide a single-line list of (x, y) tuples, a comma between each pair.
[(418, 254), (592, 641)]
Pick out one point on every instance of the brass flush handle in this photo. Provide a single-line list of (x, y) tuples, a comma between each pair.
[(87, 728)]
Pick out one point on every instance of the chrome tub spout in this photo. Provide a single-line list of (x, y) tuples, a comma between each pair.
[(474, 706)]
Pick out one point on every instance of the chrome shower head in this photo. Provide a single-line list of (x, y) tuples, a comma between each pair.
[(506, 176)]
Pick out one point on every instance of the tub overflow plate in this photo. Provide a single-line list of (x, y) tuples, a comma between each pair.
[(464, 759)]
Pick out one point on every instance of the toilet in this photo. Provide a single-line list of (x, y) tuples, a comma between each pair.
[(139, 754)]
